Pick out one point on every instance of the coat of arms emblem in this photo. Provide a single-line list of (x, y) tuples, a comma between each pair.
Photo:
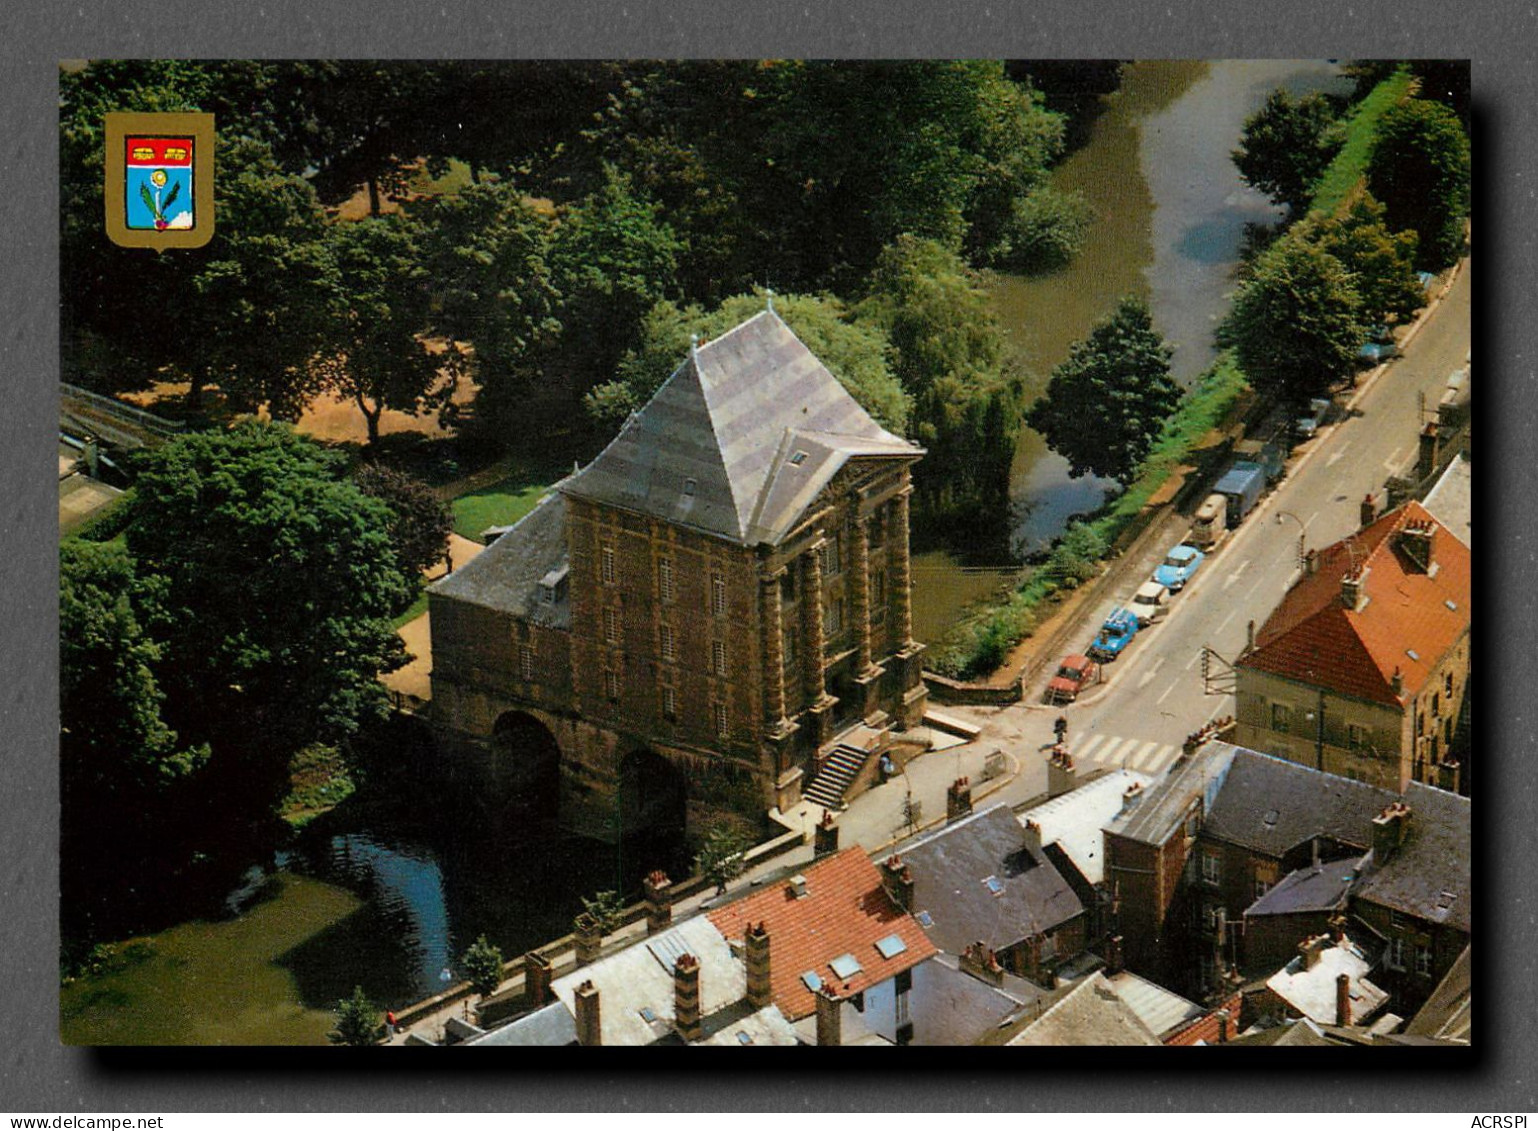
[(159, 179)]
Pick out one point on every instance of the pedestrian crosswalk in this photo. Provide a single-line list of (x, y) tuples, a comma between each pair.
[(1111, 751)]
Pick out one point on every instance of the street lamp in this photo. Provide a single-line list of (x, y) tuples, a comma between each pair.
[(1302, 533)]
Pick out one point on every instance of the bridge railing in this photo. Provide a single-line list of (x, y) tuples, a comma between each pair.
[(113, 407)]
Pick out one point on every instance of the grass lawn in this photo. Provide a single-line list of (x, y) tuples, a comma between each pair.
[(1339, 182), (501, 504)]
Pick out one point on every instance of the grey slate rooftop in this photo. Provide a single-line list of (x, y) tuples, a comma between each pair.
[(1163, 809), (738, 440), (1429, 877), (506, 575), (1308, 889), (1451, 500), (950, 870)]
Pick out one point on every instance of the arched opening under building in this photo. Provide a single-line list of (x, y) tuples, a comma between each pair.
[(651, 814), (525, 765)]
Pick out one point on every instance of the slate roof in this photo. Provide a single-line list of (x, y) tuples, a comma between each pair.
[(1308, 889), (1429, 877), (950, 868), (1092, 1013), (951, 1008), (716, 447), (1154, 818), (845, 911), (506, 575), (552, 1025), (1270, 805), (1313, 638)]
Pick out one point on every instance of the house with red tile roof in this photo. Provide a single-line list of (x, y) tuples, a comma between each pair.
[(833, 928), (1360, 670)]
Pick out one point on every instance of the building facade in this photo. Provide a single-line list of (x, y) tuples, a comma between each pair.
[(692, 619), (1361, 669)]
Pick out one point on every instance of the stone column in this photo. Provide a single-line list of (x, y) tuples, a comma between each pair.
[(813, 661), (902, 578), (774, 648), (860, 592)]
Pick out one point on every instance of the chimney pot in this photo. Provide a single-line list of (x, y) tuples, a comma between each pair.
[(829, 1018), (897, 879), (536, 979), (1343, 1000), (825, 837), (760, 989), (589, 1032), (1032, 838), (659, 902), (686, 998)]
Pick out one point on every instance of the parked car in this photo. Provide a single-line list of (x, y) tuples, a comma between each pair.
[(1179, 564), (1150, 603), (1376, 352), (1117, 632), (1074, 674), (1309, 422)]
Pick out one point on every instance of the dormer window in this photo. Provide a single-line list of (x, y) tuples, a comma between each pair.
[(798, 459), (689, 486)]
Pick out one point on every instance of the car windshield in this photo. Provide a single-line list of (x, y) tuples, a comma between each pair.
[(1066, 672), (1175, 560)]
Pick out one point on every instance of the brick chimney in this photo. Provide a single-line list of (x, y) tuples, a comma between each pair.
[(1416, 543), (656, 890), (1430, 449), (1369, 510), (1388, 831), (1030, 838), (1352, 584), (1131, 796), (1311, 948), (830, 1021), (760, 991), (536, 979), (980, 961), (1343, 1000), (824, 837), (897, 879), (958, 799), (589, 937), (1223, 1026), (686, 998), (589, 1032), (1061, 775)]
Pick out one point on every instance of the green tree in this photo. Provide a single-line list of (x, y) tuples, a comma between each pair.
[(278, 584), (482, 964), (359, 1021), (605, 908), (1296, 324), (1042, 232), (123, 772), (420, 522), (1381, 262), (854, 351), (612, 258), (1106, 404), (1286, 146), (721, 859), (1419, 169), (486, 251), (374, 351), (949, 354)]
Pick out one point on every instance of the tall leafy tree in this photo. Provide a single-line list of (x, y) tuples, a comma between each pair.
[(854, 351), (420, 522), (1106, 404), (279, 582), (374, 351), (949, 354), (1419, 169), (1296, 323), (1286, 146), (1381, 262)]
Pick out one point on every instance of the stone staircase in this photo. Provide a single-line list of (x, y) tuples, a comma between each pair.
[(838, 770)]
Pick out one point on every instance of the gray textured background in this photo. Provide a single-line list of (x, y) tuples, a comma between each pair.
[(37, 1074)]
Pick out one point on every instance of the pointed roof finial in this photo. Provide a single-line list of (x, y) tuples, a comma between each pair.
[(769, 298), (694, 345)]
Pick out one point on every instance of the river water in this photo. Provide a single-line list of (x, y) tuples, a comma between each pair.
[(1170, 212), (385, 896)]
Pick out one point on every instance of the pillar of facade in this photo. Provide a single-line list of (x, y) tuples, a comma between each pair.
[(902, 571), (813, 661), (774, 649), (867, 673)]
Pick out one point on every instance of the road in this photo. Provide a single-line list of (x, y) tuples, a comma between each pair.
[(1154, 693)]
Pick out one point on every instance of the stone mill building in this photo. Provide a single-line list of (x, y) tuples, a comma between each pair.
[(691, 620)]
